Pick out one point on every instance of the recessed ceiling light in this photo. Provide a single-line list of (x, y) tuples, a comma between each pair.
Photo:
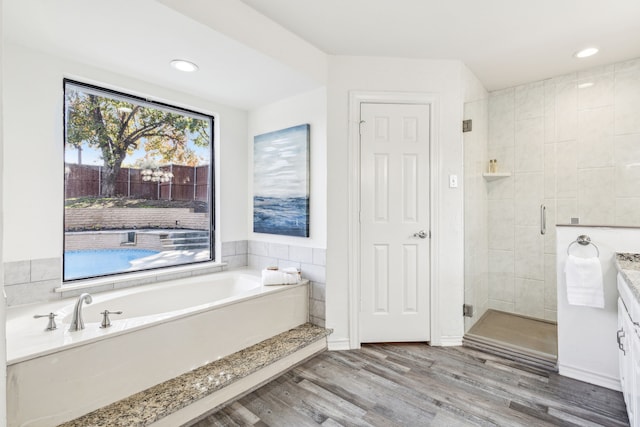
[(183, 65), (585, 53), (585, 85)]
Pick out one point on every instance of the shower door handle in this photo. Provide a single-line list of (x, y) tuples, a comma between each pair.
[(543, 219)]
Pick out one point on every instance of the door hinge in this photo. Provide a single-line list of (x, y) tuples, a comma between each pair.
[(467, 310), (466, 125)]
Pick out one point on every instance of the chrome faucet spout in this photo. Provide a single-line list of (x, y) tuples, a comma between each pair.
[(76, 321)]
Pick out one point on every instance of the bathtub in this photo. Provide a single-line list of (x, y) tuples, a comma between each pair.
[(165, 330)]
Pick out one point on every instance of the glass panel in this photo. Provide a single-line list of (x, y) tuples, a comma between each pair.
[(138, 184)]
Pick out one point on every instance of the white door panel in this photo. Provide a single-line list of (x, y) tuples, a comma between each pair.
[(394, 266)]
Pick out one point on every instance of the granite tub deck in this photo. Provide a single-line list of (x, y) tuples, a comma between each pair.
[(628, 265), (158, 403)]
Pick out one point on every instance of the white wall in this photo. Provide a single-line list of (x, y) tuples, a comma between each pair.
[(399, 75), (311, 108), (33, 148), (587, 348)]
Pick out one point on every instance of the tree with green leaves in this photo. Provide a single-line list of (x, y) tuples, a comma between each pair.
[(117, 128)]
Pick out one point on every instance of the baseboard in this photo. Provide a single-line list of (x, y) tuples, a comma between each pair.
[(453, 341), (339, 344), (590, 377)]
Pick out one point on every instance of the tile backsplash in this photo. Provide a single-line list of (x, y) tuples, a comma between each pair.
[(32, 281), (310, 261)]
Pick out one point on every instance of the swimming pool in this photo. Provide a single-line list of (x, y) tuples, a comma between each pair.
[(98, 262)]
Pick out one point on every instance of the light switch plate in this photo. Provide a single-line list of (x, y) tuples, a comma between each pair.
[(453, 181)]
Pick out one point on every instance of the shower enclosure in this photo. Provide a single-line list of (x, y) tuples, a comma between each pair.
[(567, 151), (509, 255)]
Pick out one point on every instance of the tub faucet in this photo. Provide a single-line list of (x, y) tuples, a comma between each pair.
[(76, 321)]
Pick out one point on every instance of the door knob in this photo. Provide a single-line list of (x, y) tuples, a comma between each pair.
[(421, 234)]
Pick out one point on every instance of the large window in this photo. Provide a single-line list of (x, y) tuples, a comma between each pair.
[(138, 187)]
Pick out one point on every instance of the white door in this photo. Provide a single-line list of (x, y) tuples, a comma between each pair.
[(394, 222)]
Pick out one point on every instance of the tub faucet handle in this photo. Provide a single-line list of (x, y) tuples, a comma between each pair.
[(106, 322), (52, 321)]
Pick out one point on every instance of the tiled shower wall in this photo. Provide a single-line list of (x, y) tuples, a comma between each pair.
[(571, 143)]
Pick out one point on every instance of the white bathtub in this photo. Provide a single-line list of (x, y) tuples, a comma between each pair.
[(166, 329)]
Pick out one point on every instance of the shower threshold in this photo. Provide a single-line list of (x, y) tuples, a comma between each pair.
[(527, 340)]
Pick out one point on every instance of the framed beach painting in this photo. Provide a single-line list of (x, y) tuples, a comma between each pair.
[(281, 182)]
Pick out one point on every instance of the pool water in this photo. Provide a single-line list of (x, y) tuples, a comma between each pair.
[(98, 262)]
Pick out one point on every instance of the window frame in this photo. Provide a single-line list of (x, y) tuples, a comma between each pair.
[(213, 207)]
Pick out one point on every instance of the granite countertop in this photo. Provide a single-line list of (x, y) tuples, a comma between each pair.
[(161, 400), (628, 265)]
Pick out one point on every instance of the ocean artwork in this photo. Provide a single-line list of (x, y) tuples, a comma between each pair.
[(281, 182)]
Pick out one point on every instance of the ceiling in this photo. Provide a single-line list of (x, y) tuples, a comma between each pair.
[(139, 38), (504, 42)]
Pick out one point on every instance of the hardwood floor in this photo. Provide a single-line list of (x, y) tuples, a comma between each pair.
[(417, 385)]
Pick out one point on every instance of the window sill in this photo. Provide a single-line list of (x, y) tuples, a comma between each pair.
[(143, 277)]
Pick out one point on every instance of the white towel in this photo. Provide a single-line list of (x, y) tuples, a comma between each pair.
[(584, 281), (280, 277)]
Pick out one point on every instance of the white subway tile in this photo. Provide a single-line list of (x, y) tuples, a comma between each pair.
[(319, 256), (596, 91), (529, 195), (314, 273), (301, 254), (32, 292), (596, 196), (529, 145), (278, 250), (595, 138), (627, 100), (501, 118), (530, 297), (17, 272), (258, 262), (46, 269), (627, 158), (550, 279), (258, 248), (529, 255), (529, 101), (566, 170), (501, 224), (228, 248), (241, 247)]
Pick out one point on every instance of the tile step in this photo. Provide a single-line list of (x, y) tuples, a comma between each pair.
[(529, 357)]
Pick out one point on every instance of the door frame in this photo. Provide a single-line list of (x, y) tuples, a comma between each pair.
[(355, 99)]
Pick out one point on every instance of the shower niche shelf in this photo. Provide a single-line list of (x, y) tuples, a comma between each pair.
[(495, 175)]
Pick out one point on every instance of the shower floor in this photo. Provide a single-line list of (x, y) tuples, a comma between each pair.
[(521, 337)]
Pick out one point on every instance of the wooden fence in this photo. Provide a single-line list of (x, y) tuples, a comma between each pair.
[(188, 183)]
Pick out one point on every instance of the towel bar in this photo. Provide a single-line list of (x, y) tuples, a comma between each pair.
[(583, 240)]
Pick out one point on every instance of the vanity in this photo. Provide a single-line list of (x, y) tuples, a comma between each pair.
[(628, 333)]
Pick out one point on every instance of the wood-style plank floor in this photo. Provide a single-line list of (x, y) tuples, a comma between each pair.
[(417, 385)]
